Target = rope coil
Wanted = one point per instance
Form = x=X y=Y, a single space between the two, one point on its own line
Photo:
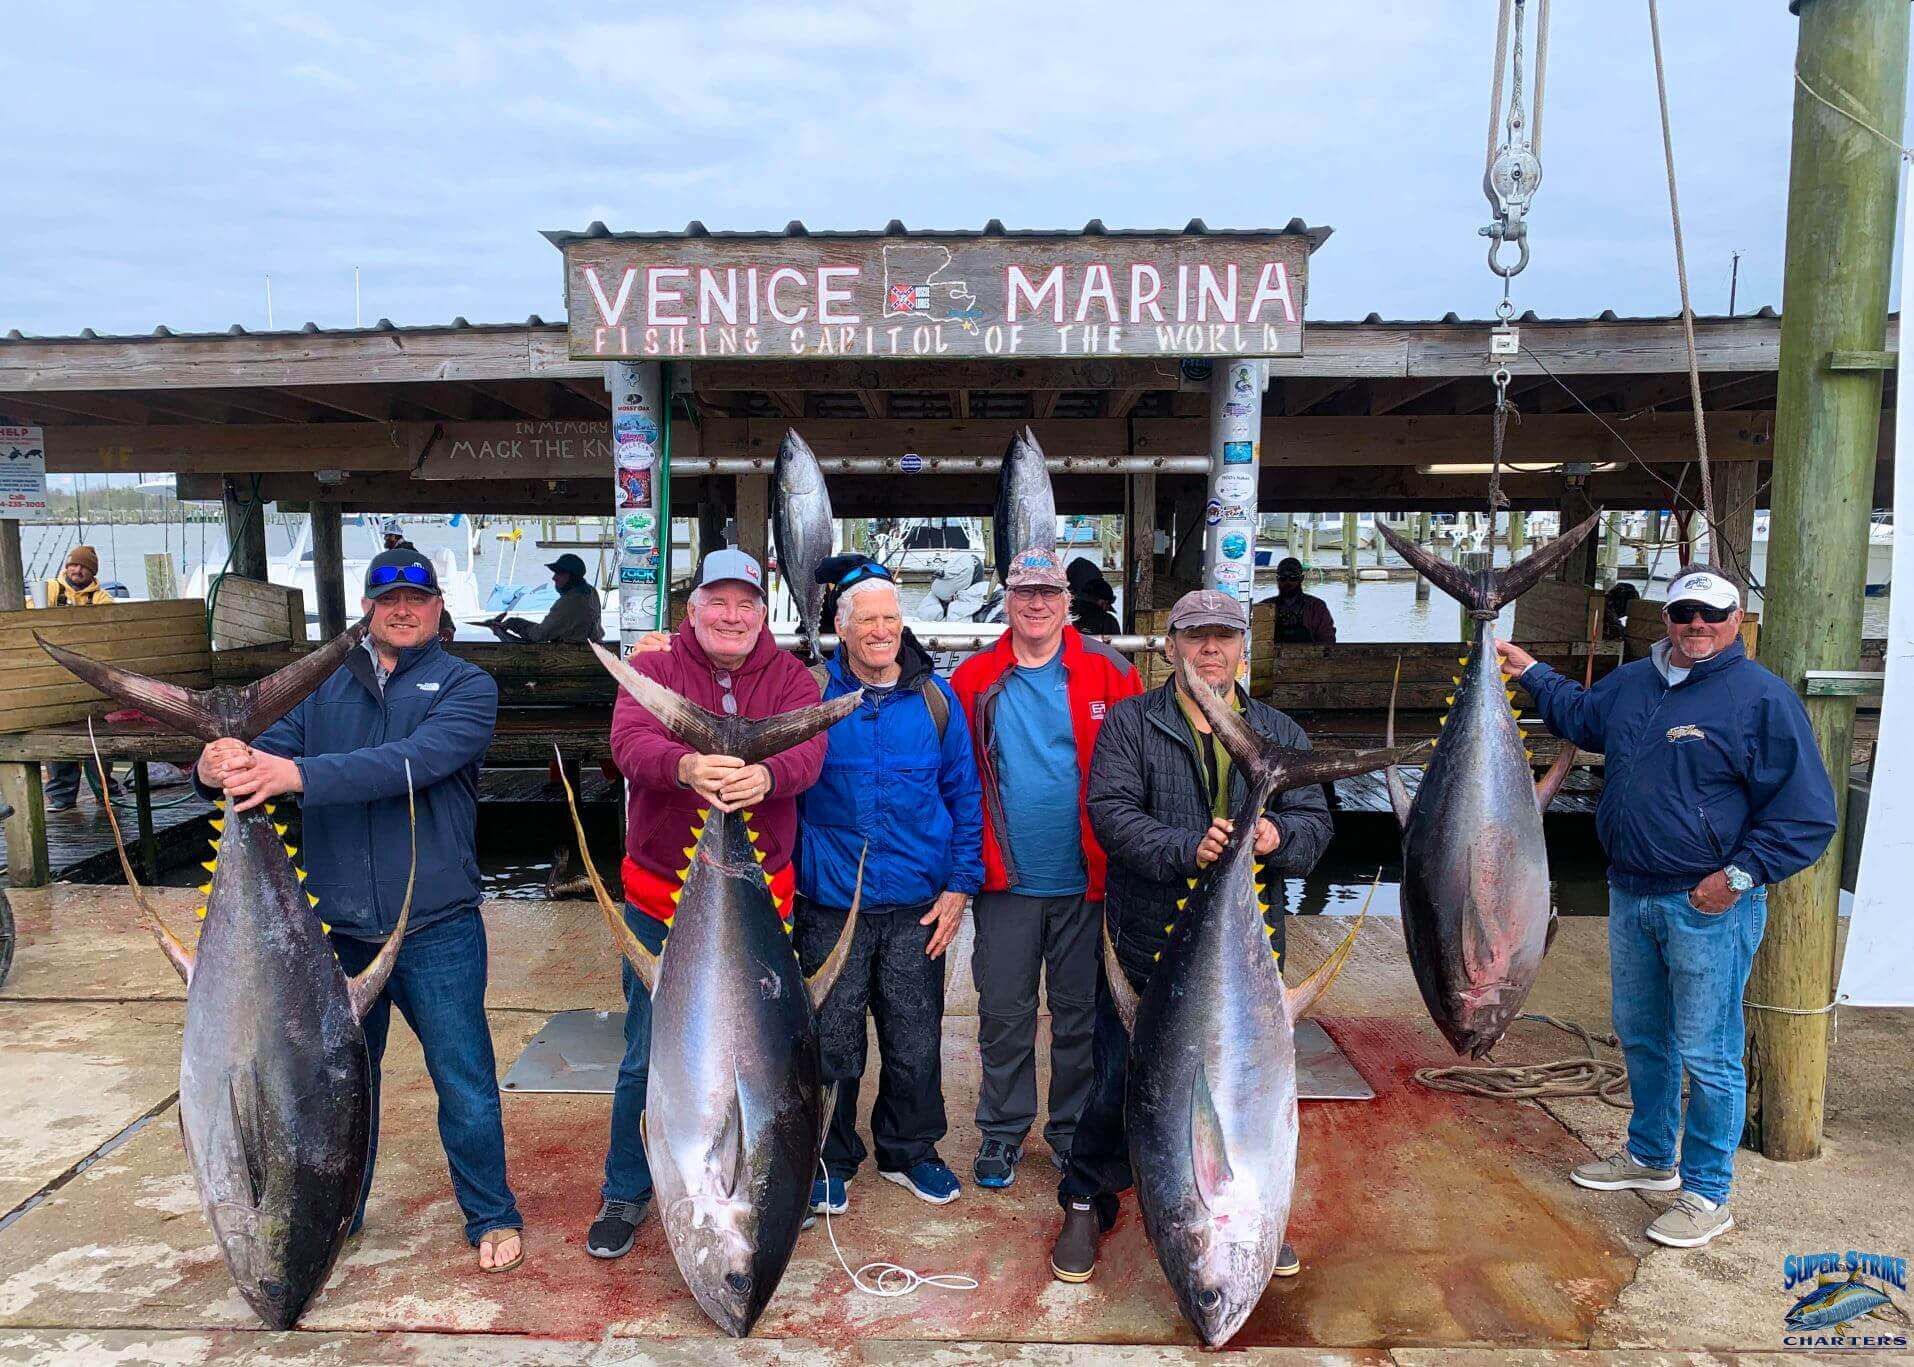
x=1592 y=1075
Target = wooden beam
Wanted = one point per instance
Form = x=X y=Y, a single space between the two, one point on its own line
x=1386 y=396
x=272 y=403
x=1287 y=442
x=1043 y=403
x=873 y=401
x=447 y=400
x=1300 y=396
x=1122 y=401
x=959 y=403
x=591 y=390
x=788 y=402
x=353 y=401
x=64 y=408
x=531 y=398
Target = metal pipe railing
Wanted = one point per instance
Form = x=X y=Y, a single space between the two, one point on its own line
x=959 y=639
x=945 y=465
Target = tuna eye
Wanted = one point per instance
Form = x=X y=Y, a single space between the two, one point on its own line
x=738 y=1282
x=1208 y=1297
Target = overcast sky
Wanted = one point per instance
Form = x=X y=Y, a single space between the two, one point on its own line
x=163 y=160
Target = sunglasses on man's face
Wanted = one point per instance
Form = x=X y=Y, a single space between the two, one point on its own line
x=1681 y=614
x=417 y=575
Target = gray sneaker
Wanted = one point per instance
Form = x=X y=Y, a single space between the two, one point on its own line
x=1691 y=1222
x=1623 y=1173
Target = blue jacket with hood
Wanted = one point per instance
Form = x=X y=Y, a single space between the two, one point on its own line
x=889 y=780
x=351 y=742
x=1721 y=768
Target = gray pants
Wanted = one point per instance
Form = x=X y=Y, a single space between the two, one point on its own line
x=1018 y=937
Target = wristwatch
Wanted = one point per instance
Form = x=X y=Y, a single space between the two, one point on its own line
x=1739 y=879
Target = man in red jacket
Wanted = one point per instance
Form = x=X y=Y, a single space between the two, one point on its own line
x=722 y=658
x=1035 y=702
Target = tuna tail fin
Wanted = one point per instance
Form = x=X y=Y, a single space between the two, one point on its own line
x=820 y=983
x=686 y=720
x=203 y=714
x=1278 y=768
x=643 y=962
x=1304 y=996
x=364 y=990
x=1122 y=995
x=775 y=735
x=176 y=953
x=1398 y=795
x=1492 y=590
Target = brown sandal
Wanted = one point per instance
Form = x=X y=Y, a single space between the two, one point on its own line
x=492 y=1238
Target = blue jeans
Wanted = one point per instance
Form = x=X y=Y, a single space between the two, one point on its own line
x=627 y=1174
x=438 y=985
x=1679 y=975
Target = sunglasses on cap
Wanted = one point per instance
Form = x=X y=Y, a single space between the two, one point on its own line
x=392 y=574
x=857 y=574
x=1681 y=614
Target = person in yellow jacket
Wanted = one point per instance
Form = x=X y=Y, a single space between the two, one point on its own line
x=78 y=582
x=76 y=585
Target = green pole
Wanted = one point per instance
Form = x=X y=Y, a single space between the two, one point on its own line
x=1842 y=185
x=664 y=498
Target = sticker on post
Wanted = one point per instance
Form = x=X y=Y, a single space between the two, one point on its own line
x=1235 y=485
x=634 y=489
x=1239 y=453
x=1213 y=511
x=910 y=462
x=1230 y=575
x=1235 y=545
x=634 y=429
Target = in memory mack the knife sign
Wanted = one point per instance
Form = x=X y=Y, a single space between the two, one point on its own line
x=1194 y=294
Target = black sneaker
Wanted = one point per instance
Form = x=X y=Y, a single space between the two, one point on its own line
x=1287 y=1263
x=996 y=1165
x=611 y=1234
x=1074 y=1256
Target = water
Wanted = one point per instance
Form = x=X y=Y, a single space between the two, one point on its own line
x=1378 y=610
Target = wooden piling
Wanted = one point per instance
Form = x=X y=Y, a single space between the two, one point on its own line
x=1351 y=531
x=162 y=579
x=1518 y=534
x=329 y=569
x=245 y=529
x=1611 y=566
x=1422 y=539
x=1842 y=186
x=13 y=574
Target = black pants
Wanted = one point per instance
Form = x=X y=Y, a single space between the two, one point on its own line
x=1098 y=1167
x=888 y=974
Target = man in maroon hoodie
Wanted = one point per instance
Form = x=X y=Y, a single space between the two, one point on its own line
x=722 y=658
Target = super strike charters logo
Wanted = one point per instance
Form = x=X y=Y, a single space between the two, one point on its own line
x=1843 y=1300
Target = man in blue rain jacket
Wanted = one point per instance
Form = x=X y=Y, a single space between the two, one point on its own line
x=1713 y=789
x=899 y=791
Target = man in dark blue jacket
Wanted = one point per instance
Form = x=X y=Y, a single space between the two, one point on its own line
x=1714 y=788
x=899 y=790
x=401 y=699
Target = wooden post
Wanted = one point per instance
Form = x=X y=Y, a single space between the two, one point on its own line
x=1351 y=533
x=1732 y=546
x=1309 y=540
x=143 y=803
x=1139 y=525
x=753 y=518
x=1574 y=508
x=162 y=577
x=1423 y=523
x=329 y=568
x=245 y=529
x=13 y=574
x=1611 y=565
x=1473 y=561
x=27 y=827
x=1842 y=184
x=1518 y=534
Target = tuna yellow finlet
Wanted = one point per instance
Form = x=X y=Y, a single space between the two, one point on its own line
x=1182 y=902
x=311 y=900
x=290 y=852
x=200 y=912
x=209 y=865
x=218 y=823
x=205 y=889
x=279 y=830
x=301 y=873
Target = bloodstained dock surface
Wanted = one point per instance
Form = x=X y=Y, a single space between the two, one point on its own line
x=1423 y=1219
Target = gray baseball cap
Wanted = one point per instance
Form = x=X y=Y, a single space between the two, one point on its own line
x=731 y=563
x=1208 y=608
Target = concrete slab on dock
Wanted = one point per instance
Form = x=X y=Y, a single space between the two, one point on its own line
x=1422 y=1218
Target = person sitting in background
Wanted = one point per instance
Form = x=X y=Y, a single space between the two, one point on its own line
x=573 y=619
x=1301 y=618
x=1092 y=607
x=76 y=585
x=1615 y=605
x=393 y=536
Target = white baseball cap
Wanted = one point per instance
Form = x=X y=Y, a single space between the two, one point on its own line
x=1709 y=589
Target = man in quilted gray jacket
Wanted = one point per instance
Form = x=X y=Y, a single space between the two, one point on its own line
x=1161 y=790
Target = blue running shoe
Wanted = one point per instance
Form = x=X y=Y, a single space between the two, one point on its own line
x=829 y=1195
x=996 y=1165
x=928 y=1181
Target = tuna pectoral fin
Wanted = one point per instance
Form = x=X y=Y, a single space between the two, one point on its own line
x=1550 y=783
x=820 y=983
x=1398 y=795
x=1209 y=1154
x=724 y=1164
x=176 y=953
x=1305 y=994
x=249 y=1130
x=364 y=990
x=643 y=962
x=775 y=735
x=1122 y=995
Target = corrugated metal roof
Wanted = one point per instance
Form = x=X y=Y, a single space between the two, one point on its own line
x=387 y=326
x=558 y=237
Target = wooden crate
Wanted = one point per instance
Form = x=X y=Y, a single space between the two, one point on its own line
x=1555 y=611
x=248 y=612
x=165 y=639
